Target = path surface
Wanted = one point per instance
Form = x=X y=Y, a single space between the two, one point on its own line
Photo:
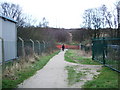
x=54 y=75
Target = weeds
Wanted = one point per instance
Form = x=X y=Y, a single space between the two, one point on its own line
x=18 y=71
x=69 y=55
x=106 y=79
x=73 y=75
x=72 y=56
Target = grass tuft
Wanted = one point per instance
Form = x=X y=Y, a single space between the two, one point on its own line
x=73 y=75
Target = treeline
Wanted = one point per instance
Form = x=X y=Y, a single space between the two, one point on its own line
x=46 y=34
x=15 y=12
x=97 y=22
x=25 y=25
x=85 y=35
x=101 y=18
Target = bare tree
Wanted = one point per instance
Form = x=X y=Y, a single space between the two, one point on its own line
x=44 y=22
x=92 y=20
x=13 y=11
x=101 y=17
x=103 y=10
x=87 y=18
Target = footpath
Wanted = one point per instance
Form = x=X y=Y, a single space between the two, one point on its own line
x=54 y=74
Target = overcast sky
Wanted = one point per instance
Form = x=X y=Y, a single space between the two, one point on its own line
x=60 y=13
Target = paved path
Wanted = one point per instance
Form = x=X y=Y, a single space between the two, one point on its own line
x=53 y=75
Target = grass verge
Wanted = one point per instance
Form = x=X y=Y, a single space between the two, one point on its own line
x=69 y=56
x=27 y=72
x=72 y=56
x=73 y=75
x=106 y=79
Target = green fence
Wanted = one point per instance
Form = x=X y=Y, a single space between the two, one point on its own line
x=85 y=48
x=107 y=52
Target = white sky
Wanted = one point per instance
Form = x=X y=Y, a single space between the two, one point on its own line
x=60 y=13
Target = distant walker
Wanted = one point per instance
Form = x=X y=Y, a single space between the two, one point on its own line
x=63 y=47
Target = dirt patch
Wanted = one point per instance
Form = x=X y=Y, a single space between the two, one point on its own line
x=54 y=74
x=89 y=72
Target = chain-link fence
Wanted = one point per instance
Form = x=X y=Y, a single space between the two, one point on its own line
x=30 y=47
x=10 y=50
x=107 y=52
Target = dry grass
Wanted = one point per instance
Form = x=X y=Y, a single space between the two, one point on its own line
x=83 y=53
x=17 y=71
x=19 y=65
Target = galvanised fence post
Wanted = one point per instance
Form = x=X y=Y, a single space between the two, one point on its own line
x=80 y=46
x=23 y=47
x=43 y=46
x=38 y=46
x=33 y=45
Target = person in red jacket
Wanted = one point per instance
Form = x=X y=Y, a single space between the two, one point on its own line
x=63 y=47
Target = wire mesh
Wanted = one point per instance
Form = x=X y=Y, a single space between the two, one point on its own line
x=30 y=49
x=107 y=52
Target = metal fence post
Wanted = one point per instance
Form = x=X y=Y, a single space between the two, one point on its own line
x=38 y=46
x=44 y=45
x=93 y=49
x=3 y=58
x=33 y=45
x=104 y=51
x=80 y=46
x=23 y=47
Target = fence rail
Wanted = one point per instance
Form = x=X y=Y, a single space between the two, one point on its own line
x=107 y=52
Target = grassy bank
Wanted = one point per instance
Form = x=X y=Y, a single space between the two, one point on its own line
x=75 y=57
x=106 y=79
x=21 y=75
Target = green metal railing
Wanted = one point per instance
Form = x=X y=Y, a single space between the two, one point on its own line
x=85 y=48
x=107 y=52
